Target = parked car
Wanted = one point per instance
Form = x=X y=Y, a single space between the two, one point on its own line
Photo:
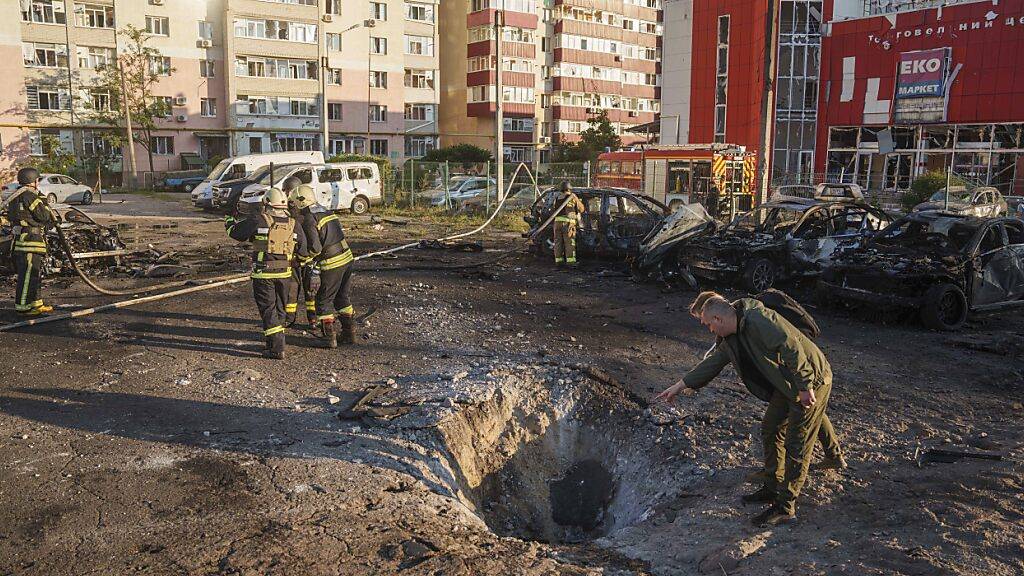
x=783 y=239
x=353 y=186
x=659 y=253
x=183 y=183
x=944 y=266
x=461 y=189
x=242 y=166
x=57 y=188
x=984 y=201
x=613 y=224
x=227 y=193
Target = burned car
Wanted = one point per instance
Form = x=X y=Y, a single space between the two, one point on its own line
x=613 y=224
x=782 y=239
x=92 y=244
x=985 y=201
x=945 y=266
x=659 y=253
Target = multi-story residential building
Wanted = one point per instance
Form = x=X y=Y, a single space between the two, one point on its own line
x=562 y=63
x=244 y=75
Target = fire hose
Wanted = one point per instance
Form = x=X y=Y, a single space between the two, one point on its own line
x=228 y=280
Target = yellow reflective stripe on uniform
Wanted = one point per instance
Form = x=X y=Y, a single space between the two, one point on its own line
x=271 y=275
x=274 y=330
x=570 y=260
x=347 y=310
x=291 y=307
x=310 y=305
x=35 y=203
x=562 y=219
x=23 y=299
x=327 y=219
x=325 y=316
x=337 y=261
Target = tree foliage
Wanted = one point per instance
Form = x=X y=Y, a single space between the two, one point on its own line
x=599 y=136
x=140 y=64
x=925 y=185
x=55 y=158
x=463 y=153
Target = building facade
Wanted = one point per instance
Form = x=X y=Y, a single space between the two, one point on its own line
x=920 y=90
x=563 y=63
x=243 y=76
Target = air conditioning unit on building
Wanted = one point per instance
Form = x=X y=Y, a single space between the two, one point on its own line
x=632 y=113
x=180 y=100
x=545 y=139
x=328 y=18
x=204 y=43
x=181 y=118
x=156 y=2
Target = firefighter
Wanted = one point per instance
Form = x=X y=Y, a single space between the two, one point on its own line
x=30 y=215
x=334 y=261
x=301 y=284
x=565 y=226
x=277 y=240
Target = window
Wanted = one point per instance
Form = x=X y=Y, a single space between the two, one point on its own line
x=94 y=144
x=423 y=112
x=378 y=147
x=334 y=42
x=160 y=65
x=334 y=111
x=518 y=124
x=162 y=105
x=333 y=7
x=379 y=11
x=100 y=100
x=206 y=69
x=419 y=45
x=40 y=55
x=722 y=78
x=47 y=98
x=208 y=107
x=92 y=57
x=94 y=16
x=419 y=12
x=278 y=106
x=275 y=30
x=378 y=113
x=157 y=26
x=162 y=145
x=419 y=78
x=378 y=79
x=417 y=146
x=205 y=30
x=334 y=76
x=378 y=45
x=44 y=12
x=347 y=146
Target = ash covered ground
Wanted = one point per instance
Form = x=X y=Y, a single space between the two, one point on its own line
x=155 y=440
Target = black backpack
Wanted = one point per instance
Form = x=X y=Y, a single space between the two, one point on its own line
x=791 y=310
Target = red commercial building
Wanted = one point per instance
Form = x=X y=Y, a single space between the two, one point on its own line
x=906 y=93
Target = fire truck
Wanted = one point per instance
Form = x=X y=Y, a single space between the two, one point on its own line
x=719 y=176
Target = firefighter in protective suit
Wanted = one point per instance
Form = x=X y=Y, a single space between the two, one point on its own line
x=30 y=215
x=276 y=241
x=334 y=261
x=302 y=283
x=565 y=226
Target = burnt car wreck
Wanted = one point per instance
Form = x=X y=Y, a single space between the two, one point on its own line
x=614 y=222
x=785 y=238
x=92 y=245
x=944 y=266
x=658 y=259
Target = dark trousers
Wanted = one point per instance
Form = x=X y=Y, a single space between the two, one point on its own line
x=29 y=268
x=271 y=297
x=333 y=295
x=789 y=432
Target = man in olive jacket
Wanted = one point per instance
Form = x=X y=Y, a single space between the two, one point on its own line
x=802 y=381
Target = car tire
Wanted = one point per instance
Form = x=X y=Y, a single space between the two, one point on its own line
x=760 y=275
x=51 y=199
x=360 y=205
x=944 y=308
x=86 y=197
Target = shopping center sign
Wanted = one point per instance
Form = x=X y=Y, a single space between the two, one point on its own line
x=922 y=73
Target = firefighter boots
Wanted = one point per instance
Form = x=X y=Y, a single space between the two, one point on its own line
x=329 y=337
x=348 y=329
x=275 y=347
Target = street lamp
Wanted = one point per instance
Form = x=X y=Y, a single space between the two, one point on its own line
x=368 y=23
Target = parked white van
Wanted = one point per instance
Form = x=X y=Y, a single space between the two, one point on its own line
x=353 y=186
x=242 y=166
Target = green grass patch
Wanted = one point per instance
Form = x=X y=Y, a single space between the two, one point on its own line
x=507 y=220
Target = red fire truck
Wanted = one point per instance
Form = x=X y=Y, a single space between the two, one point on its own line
x=684 y=173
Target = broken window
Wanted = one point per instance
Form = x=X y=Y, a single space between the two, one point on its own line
x=843 y=138
x=937 y=137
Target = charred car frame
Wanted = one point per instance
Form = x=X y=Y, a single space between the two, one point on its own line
x=945 y=266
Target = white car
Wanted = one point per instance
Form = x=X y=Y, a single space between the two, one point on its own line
x=352 y=186
x=57 y=188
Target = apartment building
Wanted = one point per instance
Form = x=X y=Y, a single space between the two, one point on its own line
x=242 y=76
x=563 y=62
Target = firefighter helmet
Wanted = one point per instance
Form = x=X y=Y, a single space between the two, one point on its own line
x=291 y=183
x=275 y=198
x=28 y=176
x=302 y=197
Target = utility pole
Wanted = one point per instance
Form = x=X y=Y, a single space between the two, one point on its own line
x=128 y=127
x=499 y=115
x=768 y=96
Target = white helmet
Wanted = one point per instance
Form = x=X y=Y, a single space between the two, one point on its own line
x=302 y=196
x=275 y=198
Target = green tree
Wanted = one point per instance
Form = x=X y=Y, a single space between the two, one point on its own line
x=925 y=185
x=141 y=66
x=55 y=158
x=599 y=136
x=464 y=153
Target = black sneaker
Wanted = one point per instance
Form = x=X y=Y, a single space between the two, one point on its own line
x=763 y=495
x=773 y=516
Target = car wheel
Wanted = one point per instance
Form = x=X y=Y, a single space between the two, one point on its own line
x=51 y=199
x=759 y=275
x=944 y=307
x=188 y=187
x=87 y=197
x=360 y=205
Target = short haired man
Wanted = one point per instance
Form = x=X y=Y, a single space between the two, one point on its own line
x=801 y=381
